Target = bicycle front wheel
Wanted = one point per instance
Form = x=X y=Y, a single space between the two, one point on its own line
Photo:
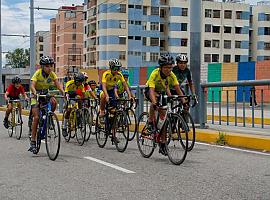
x=18 y=124
x=101 y=130
x=11 y=128
x=53 y=138
x=89 y=124
x=177 y=135
x=81 y=125
x=132 y=122
x=191 y=129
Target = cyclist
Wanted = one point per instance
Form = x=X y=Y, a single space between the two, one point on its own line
x=157 y=85
x=13 y=92
x=42 y=80
x=94 y=88
x=119 y=89
x=87 y=88
x=74 y=88
x=183 y=74
x=109 y=79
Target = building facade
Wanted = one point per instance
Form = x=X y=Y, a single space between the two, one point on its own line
x=42 y=45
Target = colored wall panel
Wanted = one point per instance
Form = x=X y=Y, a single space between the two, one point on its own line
x=143 y=75
x=131 y=76
x=262 y=71
x=214 y=75
x=136 y=76
x=229 y=72
x=149 y=70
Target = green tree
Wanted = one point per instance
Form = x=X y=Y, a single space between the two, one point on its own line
x=19 y=58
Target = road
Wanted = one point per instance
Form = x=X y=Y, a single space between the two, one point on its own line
x=209 y=172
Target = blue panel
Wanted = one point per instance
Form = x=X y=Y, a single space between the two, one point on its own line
x=245 y=15
x=153 y=18
x=135 y=30
x=135 y=61
x=174 y=42
x=244 y=58
x=106 y=55
x=137 y=2
x=110 y=39
x=260 y=58
x=155 y=2
x=109 y=8
x=136 y=79
x=246 y=71
x=261 y=31
x=175 y=26
x=135 y=45
x=105 y=24
x=175 y=11
x=245 y=30
x=150 y=34
x=244 y=44
x=261 y=17
x=135 y=14
x=152 y=49
x=260 y=45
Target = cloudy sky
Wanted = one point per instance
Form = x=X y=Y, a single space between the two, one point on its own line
x=15 y=19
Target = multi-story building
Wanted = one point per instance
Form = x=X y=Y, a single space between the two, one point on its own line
x=67 y=39
x=260 y=35
x=42 y=44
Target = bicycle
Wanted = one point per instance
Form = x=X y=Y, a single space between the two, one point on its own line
x=148 y=138
x=115 y=126
x=76 y=124
x=15 y=120
x=132 y=119
x=91 y=123
x=48 y=127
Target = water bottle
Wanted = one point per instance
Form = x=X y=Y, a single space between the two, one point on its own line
x=161 y=121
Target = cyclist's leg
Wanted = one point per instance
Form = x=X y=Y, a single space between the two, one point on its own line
x=102 y=104
x=35 y=114
x=162 y=148
x=53 y=103
x=65 y=121
x=9 y=110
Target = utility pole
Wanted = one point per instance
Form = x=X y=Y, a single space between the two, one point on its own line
x=32 y=40
x=195 y=51
x=1 y=81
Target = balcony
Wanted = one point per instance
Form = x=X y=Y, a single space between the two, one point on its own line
x=92 y=62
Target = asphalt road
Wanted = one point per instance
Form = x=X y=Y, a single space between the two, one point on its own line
x=209 y=172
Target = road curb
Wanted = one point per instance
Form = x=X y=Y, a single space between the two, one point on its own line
x=248 y=120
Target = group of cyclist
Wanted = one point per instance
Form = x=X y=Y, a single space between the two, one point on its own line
x=166 y=79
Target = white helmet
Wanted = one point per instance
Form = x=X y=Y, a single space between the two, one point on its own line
x=182 y=58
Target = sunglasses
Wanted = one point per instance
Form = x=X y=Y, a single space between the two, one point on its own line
x=116 y=68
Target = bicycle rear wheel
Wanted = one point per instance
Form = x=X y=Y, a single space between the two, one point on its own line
x=177 y=135
x=53 y=138
x=101 y=131
x=18 y=124
x=145 y=141
x=80 y=122
x=191 y=129
x=132 y=122
x=89 y=123
x=120 y=131
x=10 y=124
x=71 y=126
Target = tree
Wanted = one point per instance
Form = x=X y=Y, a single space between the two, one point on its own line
x=19 y=58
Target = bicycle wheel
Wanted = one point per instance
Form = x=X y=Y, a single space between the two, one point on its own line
x=177 y=135
x=120 y=131
x=89 y=124
x=71 y=126
x=38 y=140
x=18 y=124
x=30 y=121
x=53 y=137
x=132 y=122
x=101 y=131
x=80 y=122
x=145 y=141
x=11 y=123
x=191 y=129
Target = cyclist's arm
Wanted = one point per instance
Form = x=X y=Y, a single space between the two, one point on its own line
x=6 y=95
x=116 y=91
x=104 y=89
x=152 y=95
x=59 y=87
x=33 y=87
x=127 y=89
x=178 y=90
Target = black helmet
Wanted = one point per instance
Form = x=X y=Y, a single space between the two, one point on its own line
x=166 y=59
x=92 y=82
x=46 y=60
x=16 y=79
x=79 y=78
x=181 y=58
x=115 y=63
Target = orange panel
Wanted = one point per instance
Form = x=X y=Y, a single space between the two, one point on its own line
x=229 y=72
x=143 y=75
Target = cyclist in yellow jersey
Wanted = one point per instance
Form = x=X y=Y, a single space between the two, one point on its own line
x=93 y=86
x=42 y=81
x=88 y=91
x=109 y=79
x=119 y=89
x=159 y=84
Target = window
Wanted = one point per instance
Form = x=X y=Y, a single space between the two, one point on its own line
x=215 y=57
x=238 y=14
x=238 y=30
x=73 y=57
x=123 y=8
x=216 y=13
x=227 y=14
x=74 y=25
x=267 y=46
x=122 y=40
x=73 y=46
x=58 y=28
x=237 y=58
x=267 y=17
x=130 y=21
x=237 y=44
x=144 y=41
x=266 y=30
x=144 y=56
x=154 y=26
x=41 y=47
x=85 y=30
x=226 y=58
x=216 y=29
x=227 y=44
x=130 y=6
x=85 y=44
x=40 y=38
x=57 y=48
x=154 y=41
x=122 y=24
x=70 y=14
x=138 y=23
x=215 y=43
x=184 y=42
x=145 y=10
x=153 y=57
x=208 y=27
x=227 y=29
x=130 y=37
x=162 y=13
x=184 y=11
x=58 y=38
x=266 y=57
x=207 y=43
x=137 y=37
x=208 y=13
x=144 y=25
x=161 y=28
x=184 y=27
x=74 y=36
x=138 y=7
x=40 y=55
x=154 y=10
x=57 y=59
x=207 y=57
x=122 y=55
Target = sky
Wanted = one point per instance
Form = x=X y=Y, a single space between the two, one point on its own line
x=16 y=19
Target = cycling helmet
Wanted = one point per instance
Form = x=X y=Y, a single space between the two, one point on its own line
x=46 y=60
x=115 y=63
x=125 y=73
x=181 y=58
x=92 y=82
x=166 y=59
x=85 y=75
x=79 y=78
x=16 y=79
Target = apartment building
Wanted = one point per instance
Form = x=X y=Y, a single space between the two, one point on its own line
x=42 y=40
x=260 y=34
x=67 y=39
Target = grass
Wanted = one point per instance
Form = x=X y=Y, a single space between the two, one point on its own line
x=221 y=140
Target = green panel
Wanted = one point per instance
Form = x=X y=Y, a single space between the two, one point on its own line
x=149 y=70
x=131 y=75
x=214 y=75
x=216 y=94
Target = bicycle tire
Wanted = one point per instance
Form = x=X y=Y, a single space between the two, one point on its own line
x=144 y=136
x=10 y=124
x=89 y=124
x=52 y=133
x=30 y=121
x=101 y=131
x=132 y=126
x=70 y=126
x=120 y=131
x=18 y=123
x=191 y=129
x=80 y=122
x=176 y=133
x=38 y=141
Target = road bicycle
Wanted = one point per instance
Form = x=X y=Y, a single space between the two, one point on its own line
x=15 y=122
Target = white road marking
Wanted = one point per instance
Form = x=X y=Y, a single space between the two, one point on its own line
x=235 y=149
x=110 y=165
